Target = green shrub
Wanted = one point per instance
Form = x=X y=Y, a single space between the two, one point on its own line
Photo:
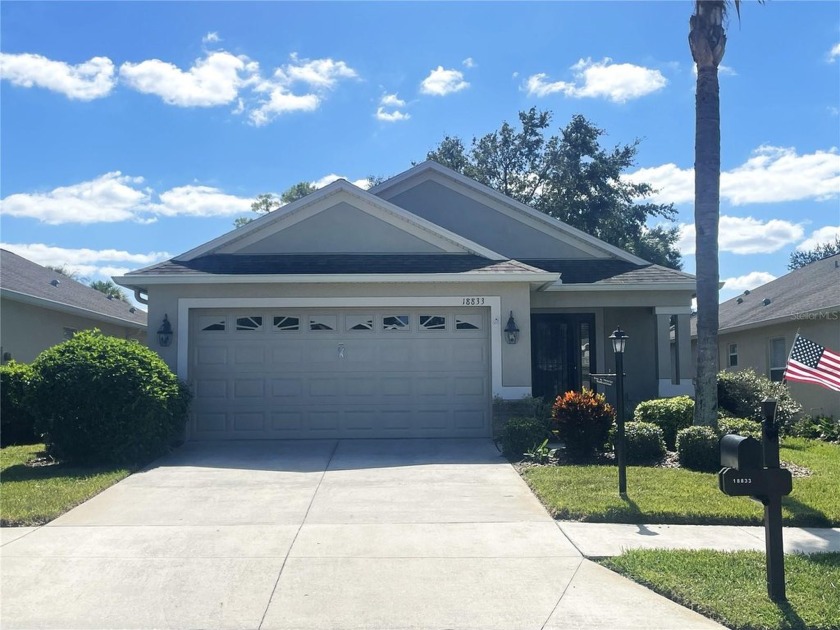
x=740 y=395
x=825 y=429
x=583 y=420
x=669 y=414
x=17 y=422
x=697 y=449
x=643 y=440
x=520 y=435
x=739 y=426
x=101 y=399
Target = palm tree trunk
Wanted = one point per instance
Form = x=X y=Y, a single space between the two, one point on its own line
x=707 y=40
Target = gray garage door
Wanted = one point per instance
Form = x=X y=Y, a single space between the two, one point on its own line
x=325 y=373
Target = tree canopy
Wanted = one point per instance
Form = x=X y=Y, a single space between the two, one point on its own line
x=823 y=250
x=571 y=177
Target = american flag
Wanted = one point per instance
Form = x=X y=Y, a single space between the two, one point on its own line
x=810 y=362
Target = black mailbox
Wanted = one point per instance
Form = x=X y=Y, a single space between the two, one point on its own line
x=758 y=483
x=740 y=453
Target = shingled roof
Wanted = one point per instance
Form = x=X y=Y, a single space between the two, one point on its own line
x=333 y=264
x=24 y=280
x=614 y=272
x=812 y=288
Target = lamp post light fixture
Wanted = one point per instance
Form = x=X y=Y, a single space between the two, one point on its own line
x=511 y=331
x=164 y=333
x=619 y=342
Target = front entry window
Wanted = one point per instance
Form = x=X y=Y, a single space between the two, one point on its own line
x=563 y=353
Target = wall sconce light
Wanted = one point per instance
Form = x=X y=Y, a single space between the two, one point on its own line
x=511 y=331
x=164 y=333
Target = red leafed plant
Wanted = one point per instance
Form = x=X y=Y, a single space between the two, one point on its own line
x=582 y=420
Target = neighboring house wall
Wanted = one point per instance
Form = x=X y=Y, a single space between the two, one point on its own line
x=754 y=348
x=28 y=330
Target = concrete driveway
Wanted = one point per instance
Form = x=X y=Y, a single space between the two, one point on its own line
x=324 y=534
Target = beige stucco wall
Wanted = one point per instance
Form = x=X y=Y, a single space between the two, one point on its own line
x=27 y=330
x=516 y=359
x=754 y=352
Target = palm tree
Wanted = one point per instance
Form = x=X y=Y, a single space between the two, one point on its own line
x=707 y=40
x=110 y=289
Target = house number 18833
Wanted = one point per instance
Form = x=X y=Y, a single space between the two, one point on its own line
x=473 y=301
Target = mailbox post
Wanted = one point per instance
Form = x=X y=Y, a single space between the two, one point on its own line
x=752 y=469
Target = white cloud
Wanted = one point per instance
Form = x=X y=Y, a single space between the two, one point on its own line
x=827 y=234
x=211 y=38
x=214 y=80
x=85 y=81
x=200 y=201
x=770 y=175
x=441 y=82
x=834 y=53
x=318 y=76
x=468 y=62
x=745 y=235
x=88 y=263
x=747 y=282
x=109 y=198
x=389 y=109
x=617 y=82
x=326 y=180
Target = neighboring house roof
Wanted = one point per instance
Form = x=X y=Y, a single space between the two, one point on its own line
x=25 y=281
x=809 y=289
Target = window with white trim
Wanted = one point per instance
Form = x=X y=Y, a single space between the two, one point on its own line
x=251 y=323
x=432 y=322
x=732 y=361
x=286 y=323
x=211 y=323
x=778 y=359
x=395 y=322
x=358 y=322
x=322 y=322
x=471 y=321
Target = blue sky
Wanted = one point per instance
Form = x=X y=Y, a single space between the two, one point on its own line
x=132 y=132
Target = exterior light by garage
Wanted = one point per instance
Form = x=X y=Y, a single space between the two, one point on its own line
x=164 y=333
x=511 y=331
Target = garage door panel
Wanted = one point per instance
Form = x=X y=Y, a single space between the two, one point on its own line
x=388 y=377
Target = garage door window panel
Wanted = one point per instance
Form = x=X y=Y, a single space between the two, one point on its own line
x=354 y=323
x=211 y=323
x=249 y=324
x=433 y=322
x=396 y=322
x=286 y=323
x=322 y=323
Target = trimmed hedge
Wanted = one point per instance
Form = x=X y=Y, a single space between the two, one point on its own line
x=669 y=414
x=739 y=426
x=697 y=449
x=644 y=442
x=17 y=422
x=100 y=399
x=740 y=395
x=522 y=434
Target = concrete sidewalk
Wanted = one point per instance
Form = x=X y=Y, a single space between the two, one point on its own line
x=598 y=540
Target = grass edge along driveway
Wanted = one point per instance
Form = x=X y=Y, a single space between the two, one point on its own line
x=34 y=495
x=679 y=496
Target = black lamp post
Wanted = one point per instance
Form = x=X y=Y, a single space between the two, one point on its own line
x=619 y=341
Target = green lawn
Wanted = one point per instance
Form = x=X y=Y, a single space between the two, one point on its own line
x=673 y=495
x=35 y=495
x=731 y=587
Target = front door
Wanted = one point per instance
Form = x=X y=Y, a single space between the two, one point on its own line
x=562 y=353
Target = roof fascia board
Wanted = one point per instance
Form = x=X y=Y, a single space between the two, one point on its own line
x=402 y=182
x=466 y=277
x=61 y=307
x=645 y=286
x=322 y=199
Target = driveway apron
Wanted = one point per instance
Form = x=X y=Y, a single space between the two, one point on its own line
x=383 y=534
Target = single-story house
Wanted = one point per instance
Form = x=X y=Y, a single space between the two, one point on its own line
x=382 y=313
x=758 y=327
x=40 y=308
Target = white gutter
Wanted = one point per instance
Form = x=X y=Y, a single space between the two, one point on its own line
x=648 y=286
x=60 y=307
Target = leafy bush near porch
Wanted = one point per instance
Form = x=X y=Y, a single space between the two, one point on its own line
x=825 y=429
x=17 y=423
x=697 y=449
x=739 y=426
x=101 y=399
x=583 y=420
x=740 y=395
x=522 y=434
x=643 y=441
x=669 y=414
